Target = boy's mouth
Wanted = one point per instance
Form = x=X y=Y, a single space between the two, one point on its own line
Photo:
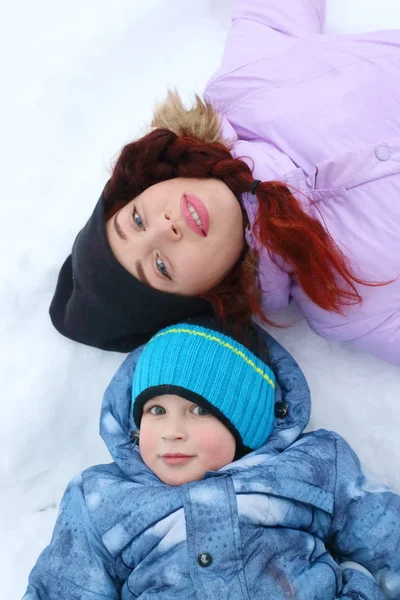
x=176 y=458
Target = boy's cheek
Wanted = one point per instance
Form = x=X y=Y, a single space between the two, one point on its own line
x=147 y=443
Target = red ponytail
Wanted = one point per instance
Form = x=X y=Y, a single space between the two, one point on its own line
x=285 y=229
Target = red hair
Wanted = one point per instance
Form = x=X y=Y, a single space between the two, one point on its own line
x=282 y=226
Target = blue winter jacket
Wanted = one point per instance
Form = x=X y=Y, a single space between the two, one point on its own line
x=295 y=519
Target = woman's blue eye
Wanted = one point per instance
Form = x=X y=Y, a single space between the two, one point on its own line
x=137 y=219
x=200 y=412
x=162 y=268
x=157 y=410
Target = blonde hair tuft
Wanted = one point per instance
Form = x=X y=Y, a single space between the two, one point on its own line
x=200 y=120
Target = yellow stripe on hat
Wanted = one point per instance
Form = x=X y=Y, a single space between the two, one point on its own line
x=213 y=338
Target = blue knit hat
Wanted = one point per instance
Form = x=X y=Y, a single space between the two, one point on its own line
x=211 y=369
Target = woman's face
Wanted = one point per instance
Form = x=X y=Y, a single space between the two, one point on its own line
x=180 y=236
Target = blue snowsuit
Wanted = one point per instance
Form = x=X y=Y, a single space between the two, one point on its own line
x=295 y=519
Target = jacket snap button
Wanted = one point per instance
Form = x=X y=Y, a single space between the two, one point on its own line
x=204 y=559
x=281 y=410
x=382 y=153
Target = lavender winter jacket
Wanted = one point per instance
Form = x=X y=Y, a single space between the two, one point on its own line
x=322 y=113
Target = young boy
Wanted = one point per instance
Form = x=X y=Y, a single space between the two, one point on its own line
x=220 y=495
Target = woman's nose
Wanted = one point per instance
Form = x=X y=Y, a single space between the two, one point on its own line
x=171 y=227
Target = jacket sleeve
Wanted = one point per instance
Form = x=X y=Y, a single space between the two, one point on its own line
x=76 y=563
x=365 y=531
x=265 y=28
x=297 y=18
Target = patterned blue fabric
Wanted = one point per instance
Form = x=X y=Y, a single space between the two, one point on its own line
x=215 y=367
x=295 y=519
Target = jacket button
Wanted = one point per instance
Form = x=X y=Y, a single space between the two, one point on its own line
x=281 y=410
x=382 y=153
x=204 y=559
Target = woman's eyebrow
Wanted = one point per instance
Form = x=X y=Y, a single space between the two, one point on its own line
x=118 y=229
x=141 y=274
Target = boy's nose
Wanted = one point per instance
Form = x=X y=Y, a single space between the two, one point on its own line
x=174 y=431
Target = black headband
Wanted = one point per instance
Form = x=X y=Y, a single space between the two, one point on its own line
x=98 y=303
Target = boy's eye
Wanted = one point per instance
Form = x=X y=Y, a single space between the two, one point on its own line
x=201 y=412
x=162 y=268
x=157 y=410
x=137 y=219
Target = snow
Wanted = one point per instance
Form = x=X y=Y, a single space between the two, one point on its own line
x=79 y=80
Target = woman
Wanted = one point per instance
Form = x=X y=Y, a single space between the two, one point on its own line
x=284 y=183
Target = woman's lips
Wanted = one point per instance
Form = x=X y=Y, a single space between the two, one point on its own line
x=176 y=459
x=195 y=214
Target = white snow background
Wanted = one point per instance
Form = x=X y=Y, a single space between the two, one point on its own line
x=79 y=79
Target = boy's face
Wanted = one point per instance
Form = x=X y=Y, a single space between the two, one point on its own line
x=179 y=441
